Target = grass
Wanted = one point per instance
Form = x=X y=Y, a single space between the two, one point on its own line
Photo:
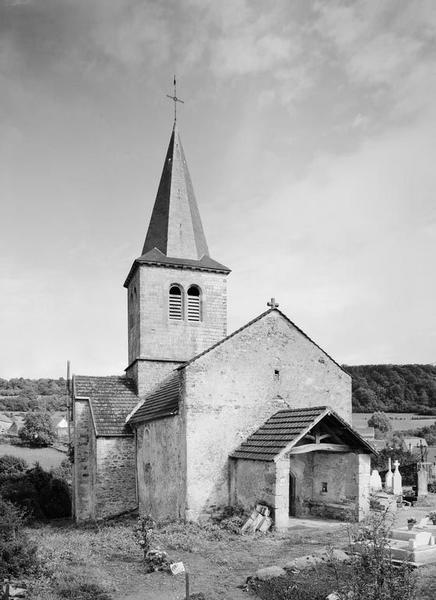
x=105 y=563
x=47 y=457
x=74 y=562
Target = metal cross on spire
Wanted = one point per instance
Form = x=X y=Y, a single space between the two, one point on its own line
x=175 y=99
x=273 y=303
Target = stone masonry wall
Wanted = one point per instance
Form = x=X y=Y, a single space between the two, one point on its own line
x=84 y=462
x=149 y=374
x=252 y=481
x=233 y=389
x=133 y=295
x=115 y=476
x=161 y=468
x=162 y=338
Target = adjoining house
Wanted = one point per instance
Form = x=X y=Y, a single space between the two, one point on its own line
x=61 y=426
x=5 y=423
x=203 y=419
x=16 y=426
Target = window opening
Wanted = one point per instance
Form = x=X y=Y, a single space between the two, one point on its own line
x=175 y=304
x=324 y=487
x=276 y=374
x=194 y=304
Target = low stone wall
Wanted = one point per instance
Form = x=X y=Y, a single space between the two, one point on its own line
x=345 y=511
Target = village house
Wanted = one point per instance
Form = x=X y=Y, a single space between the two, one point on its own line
x=5 y=423
x=202 y=419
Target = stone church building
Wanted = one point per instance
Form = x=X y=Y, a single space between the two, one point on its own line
x=202 y=419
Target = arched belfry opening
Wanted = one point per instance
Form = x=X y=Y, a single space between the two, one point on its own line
x=175 y=303
x=194 y=303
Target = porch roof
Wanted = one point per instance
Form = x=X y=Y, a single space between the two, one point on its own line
x=287 y=427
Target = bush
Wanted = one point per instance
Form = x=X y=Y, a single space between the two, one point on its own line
x=373 y=576
x=17 y=554
x=11 y=465
x=39 y=492
x=38 y=430
x=369 y=575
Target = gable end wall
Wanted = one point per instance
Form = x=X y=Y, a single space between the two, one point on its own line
x=233 y=389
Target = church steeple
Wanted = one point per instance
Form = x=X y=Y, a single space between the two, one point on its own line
x=177 y=299
x=175 y=226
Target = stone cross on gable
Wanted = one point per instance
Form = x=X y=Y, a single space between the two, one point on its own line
x=272 y=303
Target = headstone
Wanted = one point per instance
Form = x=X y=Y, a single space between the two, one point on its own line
x=397 y=482
x=389 y=477
x=422 y=481
x=375 y=483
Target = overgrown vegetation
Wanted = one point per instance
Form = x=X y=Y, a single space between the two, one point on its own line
x=20 y=394
x=42 y=494
x=368 y=575
x=394 y=388
x=17 y=552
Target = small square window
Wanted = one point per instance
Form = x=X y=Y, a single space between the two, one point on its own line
x=323 y=487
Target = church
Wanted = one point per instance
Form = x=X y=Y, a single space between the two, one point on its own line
x=202 y=419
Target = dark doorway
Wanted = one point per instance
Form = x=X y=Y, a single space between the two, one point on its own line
x=292 y=494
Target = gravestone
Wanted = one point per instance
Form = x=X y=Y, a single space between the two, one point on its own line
x=389 y=477
x=397 y=482
x=375 y=482
x=422 y=481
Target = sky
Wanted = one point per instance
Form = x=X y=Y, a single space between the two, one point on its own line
x=309 y=128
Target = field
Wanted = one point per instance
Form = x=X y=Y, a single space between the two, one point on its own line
x=400 y=421
x=108 y=558
x=47 y=457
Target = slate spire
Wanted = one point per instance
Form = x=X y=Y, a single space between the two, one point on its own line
x=175 y=226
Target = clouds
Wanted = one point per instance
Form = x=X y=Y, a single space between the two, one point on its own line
x=309 y=128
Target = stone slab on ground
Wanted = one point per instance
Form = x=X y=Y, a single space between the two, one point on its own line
x=267 y=573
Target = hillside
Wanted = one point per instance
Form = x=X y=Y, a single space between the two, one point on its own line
x=20 y=394
x=394 y=388
x=390 y=388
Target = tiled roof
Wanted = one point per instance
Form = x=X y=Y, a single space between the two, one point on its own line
x=163 y=402
x=289 y=425
x=261 y=316
x=111 y=399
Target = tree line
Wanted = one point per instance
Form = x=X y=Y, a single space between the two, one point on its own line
x=21 y=394
x=393 y=388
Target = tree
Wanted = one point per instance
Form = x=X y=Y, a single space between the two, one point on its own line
x=38 y=430
x=380 y=421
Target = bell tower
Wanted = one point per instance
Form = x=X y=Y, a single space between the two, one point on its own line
x=176 y=293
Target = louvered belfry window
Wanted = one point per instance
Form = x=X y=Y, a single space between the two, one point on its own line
x=175 y=307
x=194 y=304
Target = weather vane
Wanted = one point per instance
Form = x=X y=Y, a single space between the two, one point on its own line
x=175 y=99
